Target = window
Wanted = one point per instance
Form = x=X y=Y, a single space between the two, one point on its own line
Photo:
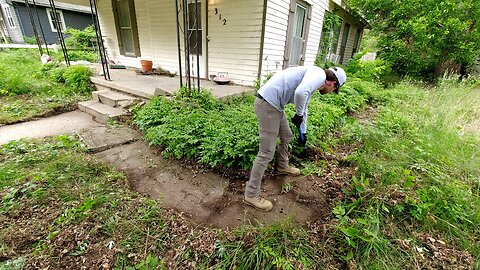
x=56 y=20
x=192 y=28
x=356 y=41
x=346 y=32
x=297 y=33
x=8 y=15
x=126 y=24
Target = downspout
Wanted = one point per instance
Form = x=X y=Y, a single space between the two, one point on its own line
x=262 y=40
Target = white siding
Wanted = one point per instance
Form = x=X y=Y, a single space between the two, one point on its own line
x=235 y=46
x=315 y=30
x=276 y=25
x=276 y=33
x=156 y=33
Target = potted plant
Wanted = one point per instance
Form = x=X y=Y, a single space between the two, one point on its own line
x=146 y=65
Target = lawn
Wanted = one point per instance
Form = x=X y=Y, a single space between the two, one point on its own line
x=414 y=201
x=30 y=90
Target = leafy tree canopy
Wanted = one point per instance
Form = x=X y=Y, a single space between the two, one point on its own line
x=424 y=37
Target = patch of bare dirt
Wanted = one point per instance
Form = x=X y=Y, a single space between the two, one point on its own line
x=215 y=198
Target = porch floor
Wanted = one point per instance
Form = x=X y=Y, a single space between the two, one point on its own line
x=147 y=86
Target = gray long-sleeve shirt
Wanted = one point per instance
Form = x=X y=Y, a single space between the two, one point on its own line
x=293 y=85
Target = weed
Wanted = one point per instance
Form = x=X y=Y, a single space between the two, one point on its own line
x=287 y=187
x=28 y=91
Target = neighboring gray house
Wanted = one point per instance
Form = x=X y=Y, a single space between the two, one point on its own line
x=17 y=22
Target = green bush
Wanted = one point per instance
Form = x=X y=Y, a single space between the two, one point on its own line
x=30 y=40
x=77 y=55
x=77 y=77
x=80 y=38
x=374 y=71
x=225 y=133
x=21 y=72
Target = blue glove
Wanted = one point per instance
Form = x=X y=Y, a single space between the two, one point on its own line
x=302 y=139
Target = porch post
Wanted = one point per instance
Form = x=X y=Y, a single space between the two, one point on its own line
x=34 y=27
x=100 y=44
x=59 y=32
x=178 y=44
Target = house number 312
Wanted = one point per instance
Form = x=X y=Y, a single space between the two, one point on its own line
x=220 y=17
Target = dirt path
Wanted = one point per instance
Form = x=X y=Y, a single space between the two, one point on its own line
x=209 y=198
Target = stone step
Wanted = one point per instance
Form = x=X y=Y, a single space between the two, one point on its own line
x=101 y=112
x=115 y=99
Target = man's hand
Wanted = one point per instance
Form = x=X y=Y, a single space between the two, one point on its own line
x=297 y=120
x=302 y=140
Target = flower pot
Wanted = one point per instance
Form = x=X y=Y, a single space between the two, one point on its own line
x=146 y=65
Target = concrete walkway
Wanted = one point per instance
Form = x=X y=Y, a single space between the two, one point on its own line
x=66 y=123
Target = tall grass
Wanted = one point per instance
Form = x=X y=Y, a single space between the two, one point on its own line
x=29 y=89
x=420 y=164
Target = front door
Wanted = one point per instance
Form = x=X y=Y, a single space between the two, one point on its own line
x=197 y=40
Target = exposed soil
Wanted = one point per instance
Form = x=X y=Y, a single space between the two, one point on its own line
x=209 y=198
x=213 y=199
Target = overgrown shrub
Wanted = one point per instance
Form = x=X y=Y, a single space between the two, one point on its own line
x=80 y=38
x=77 y=77
x=20 y=72
x=374 y=71
x=225 y=133
x=77 y=55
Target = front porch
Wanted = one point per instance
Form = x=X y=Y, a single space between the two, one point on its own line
x=147 y=86
x=113 y=98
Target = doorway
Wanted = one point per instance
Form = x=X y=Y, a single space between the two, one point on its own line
x=197 y=45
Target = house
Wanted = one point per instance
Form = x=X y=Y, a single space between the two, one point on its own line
x=247 y=39
x=17 y=18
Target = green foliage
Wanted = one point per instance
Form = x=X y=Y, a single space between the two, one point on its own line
x=80 y=38
x=331 y=22
x=21 y=71
x=374 y=71
x=78 y=77
x=225 y=133
x=418 y=166
x=29 y=89
x=424 y=38
x=77 y=55
x=369 y=41
x=281 y=246
x=30 y=40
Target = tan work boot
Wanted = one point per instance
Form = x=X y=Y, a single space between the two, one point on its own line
x=259 y=203
x=289 y=170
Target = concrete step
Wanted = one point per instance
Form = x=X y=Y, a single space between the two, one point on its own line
x=115 y=99
x=101 y=112
x=137 y=88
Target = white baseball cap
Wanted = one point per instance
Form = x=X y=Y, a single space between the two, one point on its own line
x=340 y=74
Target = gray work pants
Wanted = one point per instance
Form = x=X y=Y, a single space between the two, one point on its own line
x=271 y=124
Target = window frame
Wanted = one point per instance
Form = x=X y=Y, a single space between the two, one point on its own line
x=7 y=11
x=290 y=30
x=50 y=20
